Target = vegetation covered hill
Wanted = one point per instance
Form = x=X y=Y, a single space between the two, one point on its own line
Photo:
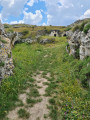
x=68 y=100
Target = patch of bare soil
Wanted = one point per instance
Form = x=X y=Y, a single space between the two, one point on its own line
x=39 y=111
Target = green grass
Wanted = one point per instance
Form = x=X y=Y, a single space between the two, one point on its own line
x=23 y=114
x=86 y=28
x=75 y=28
x=2 y=64
x=52 y=101
x=71 y=100
x=31 y=101
x=34 y=29
x=33 y=93
x=3 y=41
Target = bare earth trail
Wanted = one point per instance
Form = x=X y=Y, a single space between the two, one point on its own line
x=39 y=110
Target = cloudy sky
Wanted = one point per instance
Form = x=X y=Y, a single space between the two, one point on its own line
x=44 y=12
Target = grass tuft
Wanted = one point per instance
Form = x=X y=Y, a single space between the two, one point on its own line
x=23 y=114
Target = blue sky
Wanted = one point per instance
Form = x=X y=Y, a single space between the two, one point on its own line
x=44 y=12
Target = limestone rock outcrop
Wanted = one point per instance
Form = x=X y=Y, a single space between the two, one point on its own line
x=1 y=28
x=6 y=61
x=45 y=41
x=79 y=44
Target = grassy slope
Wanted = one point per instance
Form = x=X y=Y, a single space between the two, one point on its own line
x=33 y=30
x=69 y=100
x=61 y=28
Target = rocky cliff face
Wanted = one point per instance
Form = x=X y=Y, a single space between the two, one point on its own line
x=79 y=44
x=6 y=62
x=79 y=47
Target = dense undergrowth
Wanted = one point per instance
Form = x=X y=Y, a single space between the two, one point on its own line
x=69 y=100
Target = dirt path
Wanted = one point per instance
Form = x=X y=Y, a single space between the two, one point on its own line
x=39 y=110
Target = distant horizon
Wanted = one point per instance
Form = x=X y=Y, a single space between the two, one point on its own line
x=44 y=12
x=45 y=25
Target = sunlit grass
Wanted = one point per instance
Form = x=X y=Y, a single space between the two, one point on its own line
x=69 y=100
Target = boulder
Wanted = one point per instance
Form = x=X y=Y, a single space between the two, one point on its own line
x=79 y=41
x=47 y=40
x=6 y=66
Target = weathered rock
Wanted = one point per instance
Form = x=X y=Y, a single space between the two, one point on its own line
x=6 y=61
x=44 y=41
x=79 y=42
x=85 y=45
x=42 y=32
x=6 y=68
x=55 y=33
x=1 y=28
x=68 y=33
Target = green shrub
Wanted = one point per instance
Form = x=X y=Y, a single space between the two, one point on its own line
x=75 y=28
x=82 y=71
x=9 y=55
x=33 y=34
x=1 y=64
x=23 y=113
x=6 y=26
x=68 y=47
x=25 y=32
x=48 y=31
x=81 y=27
x=10 y=30
x=86 y=28
x=68 y=28
x=77 y=53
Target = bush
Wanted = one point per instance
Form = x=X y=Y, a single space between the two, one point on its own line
x=82 y=71
x=10 y=30
x=68 y=28
x=1 y=64
x=25 y=32
x=48 y=31
x=68 y=47
x=75 y=28
x=81 y=27
x=77 y=53
x=6 y=26
x=33 y=34
x=86 y=28
x=9 y=55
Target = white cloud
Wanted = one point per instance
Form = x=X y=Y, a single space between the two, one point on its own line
x=86 y=14
x=44 y=24
x=11 y=3
x=12 y=7
x=16 y=22
x=31 y=18
x=25 y=9
x=31 y=2
x=67 y=12
x=59 y=12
